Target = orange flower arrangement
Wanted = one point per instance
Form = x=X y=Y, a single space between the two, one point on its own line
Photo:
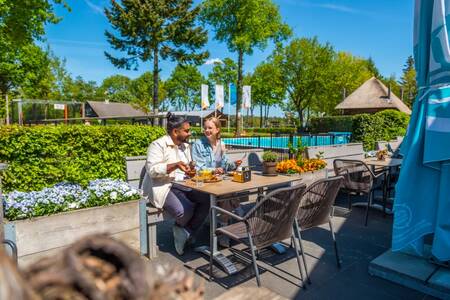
x=292 y=166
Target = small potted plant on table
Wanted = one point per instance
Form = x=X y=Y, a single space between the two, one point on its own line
x=269 y=163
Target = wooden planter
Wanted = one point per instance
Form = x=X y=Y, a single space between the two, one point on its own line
x=44 y=236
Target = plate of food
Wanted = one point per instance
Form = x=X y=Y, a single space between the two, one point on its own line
x=209 y=179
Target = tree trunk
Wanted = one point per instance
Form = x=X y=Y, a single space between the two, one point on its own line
x=251 y=121
x=260 y=116
x=239 y=90
x=155 y=85
x=7 y=108
x=300 y=117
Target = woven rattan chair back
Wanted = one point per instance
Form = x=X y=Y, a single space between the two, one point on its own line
x=317 y=201
x=357 y=175
x=271 y=219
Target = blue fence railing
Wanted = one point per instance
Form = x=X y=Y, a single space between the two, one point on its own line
x=282 y=142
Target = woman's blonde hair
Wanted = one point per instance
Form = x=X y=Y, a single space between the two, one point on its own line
x=216 y=123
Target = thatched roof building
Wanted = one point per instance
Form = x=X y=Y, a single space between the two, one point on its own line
x=371 y=97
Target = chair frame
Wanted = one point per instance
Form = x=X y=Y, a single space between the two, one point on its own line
x=370 y=191
x=329 y=196
x=253 y=248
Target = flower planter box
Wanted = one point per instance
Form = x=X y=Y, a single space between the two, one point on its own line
x=311 y=176
x=44 y=236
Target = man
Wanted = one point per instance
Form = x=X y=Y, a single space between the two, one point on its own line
x=168 y=159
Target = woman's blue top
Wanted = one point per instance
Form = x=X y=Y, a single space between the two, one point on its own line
x=205 y=157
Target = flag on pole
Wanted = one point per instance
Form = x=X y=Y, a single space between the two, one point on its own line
x=233 y=94
x=246 y=96
x=219 y=96
x=205 y=101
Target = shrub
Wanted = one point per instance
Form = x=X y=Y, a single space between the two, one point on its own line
x=382 y=126
x=332 y=123
x=42 y=156
x=270 y=156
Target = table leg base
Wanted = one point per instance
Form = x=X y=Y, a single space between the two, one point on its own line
x=220 y=259
x=373 y=206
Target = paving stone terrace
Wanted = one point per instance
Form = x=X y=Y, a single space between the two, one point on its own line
x=358 y=246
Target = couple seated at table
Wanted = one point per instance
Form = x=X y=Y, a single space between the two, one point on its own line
x=170 y=157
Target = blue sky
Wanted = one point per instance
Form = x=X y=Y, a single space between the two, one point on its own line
x=381 y=29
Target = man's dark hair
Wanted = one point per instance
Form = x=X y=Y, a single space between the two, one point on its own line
x=174 y=122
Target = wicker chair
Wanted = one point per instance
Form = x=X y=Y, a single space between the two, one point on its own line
x=316 y=208
x=359 y=178
x=269 y=221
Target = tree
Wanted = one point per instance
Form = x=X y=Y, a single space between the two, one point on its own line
x=21 y=22
x=268 y=88
x=224 y=73
x=244 y=25
x=305 y=66
x=150 y=29
x=372 y=68
x=408 y=82
x=142 y=91
x=347 y=73
x=116 y=88
x=183 y=87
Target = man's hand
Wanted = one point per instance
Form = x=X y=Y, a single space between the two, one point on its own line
x=178 y=165
x=237 y=163
x=183 y=167
x=219 y=171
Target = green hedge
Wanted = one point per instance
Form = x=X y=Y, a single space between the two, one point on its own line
x=333 y=123
x=41 y=156
x=382 y=126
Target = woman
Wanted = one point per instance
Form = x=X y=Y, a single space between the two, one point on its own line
x=209 y=151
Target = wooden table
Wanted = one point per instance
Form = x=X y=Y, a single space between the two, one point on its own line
x=226 y=189
x=387 y=163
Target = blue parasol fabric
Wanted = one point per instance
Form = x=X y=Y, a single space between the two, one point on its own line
x=422 y=203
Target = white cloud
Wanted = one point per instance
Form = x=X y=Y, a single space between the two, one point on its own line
x=213 y=61
x=96 y=8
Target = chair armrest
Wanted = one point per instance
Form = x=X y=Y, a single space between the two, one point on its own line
x=224 y=211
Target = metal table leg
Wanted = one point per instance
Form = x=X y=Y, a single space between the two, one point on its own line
x=217 y=256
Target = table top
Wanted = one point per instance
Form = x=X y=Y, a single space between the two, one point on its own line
x=227 y=186
x=388 y=162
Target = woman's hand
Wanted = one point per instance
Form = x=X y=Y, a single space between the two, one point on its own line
x=219 y=171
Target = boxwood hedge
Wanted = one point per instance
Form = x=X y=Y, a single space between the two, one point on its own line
x=41 y=156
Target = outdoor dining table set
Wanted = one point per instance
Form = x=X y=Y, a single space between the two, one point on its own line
x=284 y=208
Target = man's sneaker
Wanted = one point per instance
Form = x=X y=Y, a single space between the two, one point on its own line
x=180 y=236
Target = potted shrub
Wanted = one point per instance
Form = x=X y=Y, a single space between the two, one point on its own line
x=269 y=163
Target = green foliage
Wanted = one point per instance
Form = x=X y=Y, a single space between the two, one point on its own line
x=150 y=29
x=270 y=156
x=183 y=87
x=382 y=126
x=41 y=156
x=244 y=25
x=333 y=123
x=268 y=87
x=408 y=82
x=305 y=65
x=347 y=73
x=297 y=151
x=224 y=73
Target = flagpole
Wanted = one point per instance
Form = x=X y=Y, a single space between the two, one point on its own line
x=229 y=107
